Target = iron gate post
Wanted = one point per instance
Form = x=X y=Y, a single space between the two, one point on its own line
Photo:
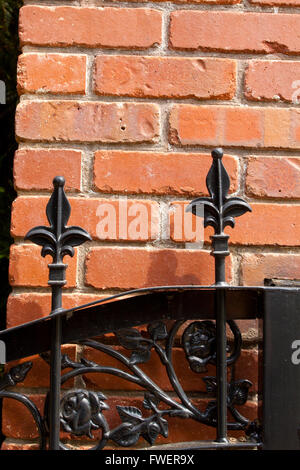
x=57 y=240
x=219 y=211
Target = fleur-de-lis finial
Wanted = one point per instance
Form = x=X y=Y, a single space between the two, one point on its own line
x=58 y=240
x=219 y=209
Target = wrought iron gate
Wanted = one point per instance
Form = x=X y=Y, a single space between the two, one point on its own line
x=199 y=314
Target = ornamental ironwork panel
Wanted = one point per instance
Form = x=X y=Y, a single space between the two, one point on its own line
x=145 y=322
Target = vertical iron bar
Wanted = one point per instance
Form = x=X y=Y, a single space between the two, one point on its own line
x=220 y=251
x=55 y=371
x=221 y=365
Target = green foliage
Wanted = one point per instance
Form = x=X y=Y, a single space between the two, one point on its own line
x=9 y=50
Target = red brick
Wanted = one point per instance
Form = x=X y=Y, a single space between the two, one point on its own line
x=165 y=77
x=28 y=268
x=65 y=121
x=34 y=169
x=51 y=73
x=156 y=173
x=63 y=26
x=273 y=177
x=272 y=80
x=235 y=126
x=243 y=126
x=141 y=267
x=104 y=219
x=17 y=421
x=278 y=128
x=216 y=125
x=190 y=125
x=285 y=3
x=235 y=31
x=280 y=224
x=26 y=307
x=257 y=267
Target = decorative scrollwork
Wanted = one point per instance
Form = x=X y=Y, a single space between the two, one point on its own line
x=82 y=410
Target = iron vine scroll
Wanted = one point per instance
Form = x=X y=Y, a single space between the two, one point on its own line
x=83 y=411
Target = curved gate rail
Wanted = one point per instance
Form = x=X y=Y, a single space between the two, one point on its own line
x=165 y=309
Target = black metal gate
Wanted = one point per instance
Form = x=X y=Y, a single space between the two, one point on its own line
x=164 y=310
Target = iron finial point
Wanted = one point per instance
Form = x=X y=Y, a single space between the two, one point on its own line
x=59 y=181
x=217 y=153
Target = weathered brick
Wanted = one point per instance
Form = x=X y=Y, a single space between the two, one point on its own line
x=141 y=267
x=280 y=224
x=34 y=169
x=275 y=3
x=26 y=307
x=260 y=266
x=51 y=73
x=278 y=128
x=274 y=80
x=104 y=219
x=28 y=268
x=235 y=126
x=65 y=121
x=235 y=31
x=273 y=177
x=156 y=173
x=189 y=125
x=243 y=126
x=63 y=26
x=165 y=77
x=17 y=421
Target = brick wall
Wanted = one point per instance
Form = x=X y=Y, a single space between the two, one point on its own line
x=126 y=100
